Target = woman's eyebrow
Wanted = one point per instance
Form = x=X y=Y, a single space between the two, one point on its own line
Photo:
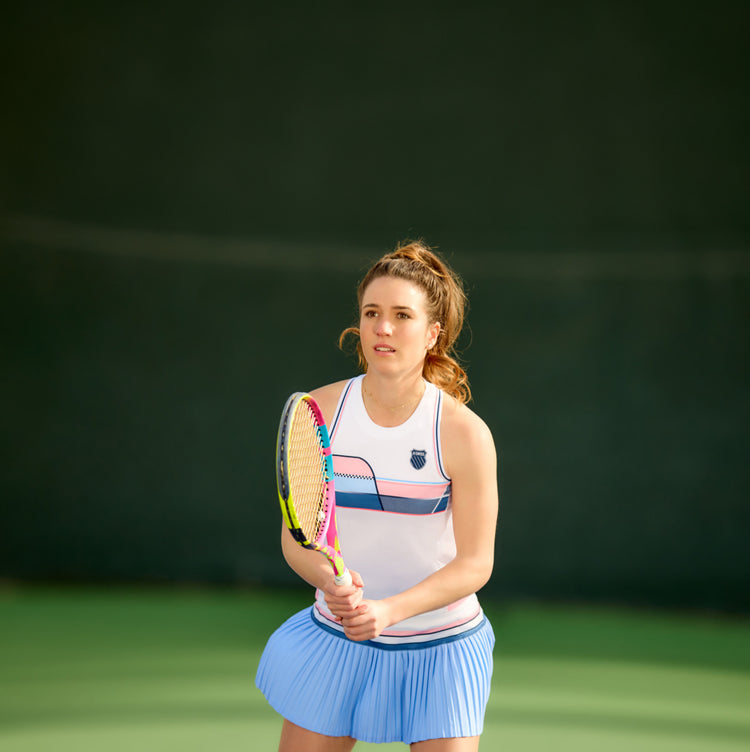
x=395 y=308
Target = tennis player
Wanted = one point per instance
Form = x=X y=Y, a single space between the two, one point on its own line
x=404 y=653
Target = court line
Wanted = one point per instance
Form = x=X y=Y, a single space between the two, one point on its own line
x=279 y=255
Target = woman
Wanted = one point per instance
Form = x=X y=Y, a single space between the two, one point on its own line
x=405 y=652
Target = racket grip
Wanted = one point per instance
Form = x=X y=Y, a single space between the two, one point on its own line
x=343 y=579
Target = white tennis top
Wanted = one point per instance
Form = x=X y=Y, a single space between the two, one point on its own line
x=394 y=515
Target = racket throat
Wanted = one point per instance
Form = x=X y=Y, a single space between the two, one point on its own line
x=300 y=537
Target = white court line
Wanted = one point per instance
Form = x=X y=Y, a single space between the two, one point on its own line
x=282 y=256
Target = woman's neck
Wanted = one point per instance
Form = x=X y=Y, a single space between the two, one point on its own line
x=389 y=402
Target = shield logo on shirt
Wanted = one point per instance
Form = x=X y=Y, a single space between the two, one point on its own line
x=418 y=458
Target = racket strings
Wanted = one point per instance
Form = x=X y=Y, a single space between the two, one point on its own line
x=307 y=472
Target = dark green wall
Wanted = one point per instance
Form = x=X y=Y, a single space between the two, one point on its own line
x=169 y=171
x=526 y=123
x=141 y=398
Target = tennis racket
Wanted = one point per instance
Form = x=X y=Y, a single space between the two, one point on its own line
x=304 y=477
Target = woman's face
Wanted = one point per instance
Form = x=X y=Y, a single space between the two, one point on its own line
x=395 y=331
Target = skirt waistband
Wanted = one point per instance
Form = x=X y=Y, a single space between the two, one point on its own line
x=405 y=645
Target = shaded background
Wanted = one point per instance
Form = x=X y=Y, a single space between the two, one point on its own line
x=171 y=176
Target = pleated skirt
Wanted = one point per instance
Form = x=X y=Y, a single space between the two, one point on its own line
x=322 y=681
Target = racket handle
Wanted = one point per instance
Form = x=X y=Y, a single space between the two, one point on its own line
x=343 y=579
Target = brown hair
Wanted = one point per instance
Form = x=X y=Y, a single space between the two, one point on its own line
x=415 y=262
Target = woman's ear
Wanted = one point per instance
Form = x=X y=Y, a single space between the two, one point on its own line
x=433 y=334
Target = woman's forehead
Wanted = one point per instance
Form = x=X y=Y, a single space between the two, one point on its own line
x=393 y=292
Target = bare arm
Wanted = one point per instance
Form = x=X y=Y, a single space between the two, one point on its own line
x=471 y=462
x=310 y=565
x=315 y=569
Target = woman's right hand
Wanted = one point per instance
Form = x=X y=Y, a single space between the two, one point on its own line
x=343 y=599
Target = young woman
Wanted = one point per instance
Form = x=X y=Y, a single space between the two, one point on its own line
x=405 y=652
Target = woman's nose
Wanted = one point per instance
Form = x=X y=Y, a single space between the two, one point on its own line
x=384 y=327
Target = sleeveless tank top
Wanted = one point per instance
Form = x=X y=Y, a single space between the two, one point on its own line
x=394 y=515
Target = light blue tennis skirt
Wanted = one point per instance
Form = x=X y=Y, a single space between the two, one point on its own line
x=322 y=681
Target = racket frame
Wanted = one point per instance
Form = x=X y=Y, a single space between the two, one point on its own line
x=326 y=541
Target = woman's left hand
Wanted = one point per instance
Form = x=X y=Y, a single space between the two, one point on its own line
x=367 y=620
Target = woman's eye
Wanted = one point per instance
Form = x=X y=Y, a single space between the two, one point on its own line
x=403 y=315
x=370 y=314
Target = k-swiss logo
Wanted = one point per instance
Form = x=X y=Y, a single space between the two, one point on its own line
x=418 y=458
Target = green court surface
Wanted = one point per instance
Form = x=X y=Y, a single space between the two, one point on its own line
x=158 y=669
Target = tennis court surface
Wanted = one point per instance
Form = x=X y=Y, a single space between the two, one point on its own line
x=163 y=669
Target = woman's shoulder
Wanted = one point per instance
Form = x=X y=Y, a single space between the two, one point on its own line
x=328 y=397
x=462 y=429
